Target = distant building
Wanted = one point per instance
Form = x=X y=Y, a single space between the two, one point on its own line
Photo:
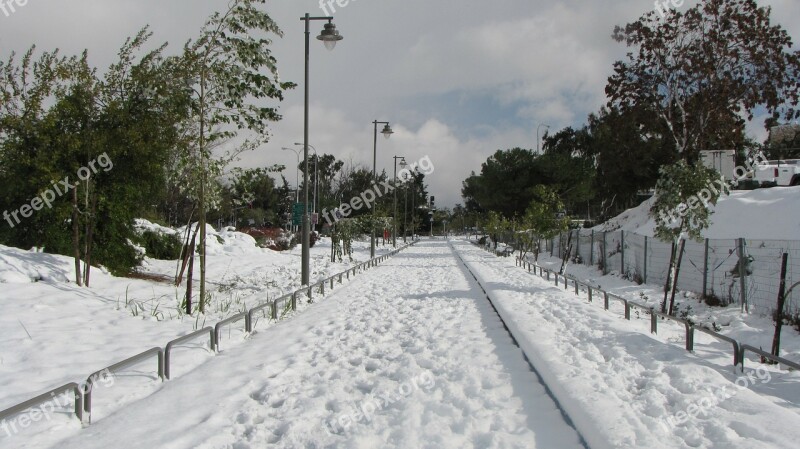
x=783 y=134
x=723 y=161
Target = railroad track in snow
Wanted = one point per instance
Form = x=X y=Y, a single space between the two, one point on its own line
x=533 y=369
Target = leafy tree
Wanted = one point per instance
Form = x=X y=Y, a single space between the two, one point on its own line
x=541 y=220
x=232 y=72
x=629 y=148
x=703 y=69
x=681 y=210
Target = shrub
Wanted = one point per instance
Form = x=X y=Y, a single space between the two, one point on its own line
x=161 y=246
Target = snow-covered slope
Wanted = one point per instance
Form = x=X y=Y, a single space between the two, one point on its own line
x=755 y=214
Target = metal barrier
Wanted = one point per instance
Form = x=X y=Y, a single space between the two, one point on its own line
x=229 y=320
x=738 y=352
x=766 y=355
x=170 y=345
x=47 y=397
x=83 y=399
x=87 y=398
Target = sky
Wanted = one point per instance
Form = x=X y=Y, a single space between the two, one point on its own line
x=457 y=80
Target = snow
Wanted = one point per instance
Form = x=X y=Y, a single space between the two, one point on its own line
x=409 y=354
x=624 y=387
x=754 y=214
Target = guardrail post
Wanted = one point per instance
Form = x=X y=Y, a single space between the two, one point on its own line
x=591 y=250
x=605 y=294
x=627 y=311
x=294 y=300
x=653 y=322
x=689 y=337
x=556 y=275
x=274 y=310
x=705 y=270
x=644 y=277
x=603 y=255
x=590 y=292
x=577 y=292
x=622 y=252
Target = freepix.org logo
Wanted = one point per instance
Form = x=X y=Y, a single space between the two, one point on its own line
x=327 y=6
x=369 y=196
x=9 y=6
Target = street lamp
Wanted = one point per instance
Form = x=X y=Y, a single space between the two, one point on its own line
x=387 y=132
x=402 y=164
x=537 y=134
x=329 y=36
x=316 y=177
x=296 y=176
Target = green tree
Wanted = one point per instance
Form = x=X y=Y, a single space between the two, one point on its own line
x=684 y=195
x=542 y=220
x=232 y=72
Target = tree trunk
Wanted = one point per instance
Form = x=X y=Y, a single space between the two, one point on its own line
x=189 y=277
x=669 y=277
x=76 y=237
x=187 y=253
x=776 y=339
x=675 y=278
x=87 y=266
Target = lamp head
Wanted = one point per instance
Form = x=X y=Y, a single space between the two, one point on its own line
x=387 y=131
x=330 y=36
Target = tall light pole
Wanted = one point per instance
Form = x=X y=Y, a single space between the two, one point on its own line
x=330 y=36
x=394 y=217
x=387 y=132
x=537 y=135
x=296 y=174
x=405 y=210
x=316 y=177
x=296 y=178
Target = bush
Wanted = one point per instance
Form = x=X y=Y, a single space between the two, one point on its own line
x=161 y=246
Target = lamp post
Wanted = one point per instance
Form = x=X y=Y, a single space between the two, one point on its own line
x=296 y=174
x=387 y=132
x=329 y=36
x=537 y=134
x=394 y=216
x=316 y=177
x=405 y=209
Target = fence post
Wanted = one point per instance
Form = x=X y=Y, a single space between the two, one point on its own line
x=644 y=277
x=742 y=282
x=705 y=270
x=605 y=265
x=622 y=252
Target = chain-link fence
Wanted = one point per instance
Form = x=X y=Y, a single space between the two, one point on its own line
x=712 y=267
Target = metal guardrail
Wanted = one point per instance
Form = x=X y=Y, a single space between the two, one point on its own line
x=47 y=397
x=87 y=397
x=83 y=399
x=226 y=321
x=765 y=355
x=187 y=337
x=738 y=348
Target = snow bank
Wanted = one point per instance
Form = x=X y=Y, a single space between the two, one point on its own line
x=754 y=214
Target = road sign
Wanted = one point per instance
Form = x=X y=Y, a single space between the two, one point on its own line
x=297 y=213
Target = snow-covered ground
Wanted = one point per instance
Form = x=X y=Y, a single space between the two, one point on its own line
x=753 y=214
x=54 y=332
x=408 y=355
x=626 y=388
